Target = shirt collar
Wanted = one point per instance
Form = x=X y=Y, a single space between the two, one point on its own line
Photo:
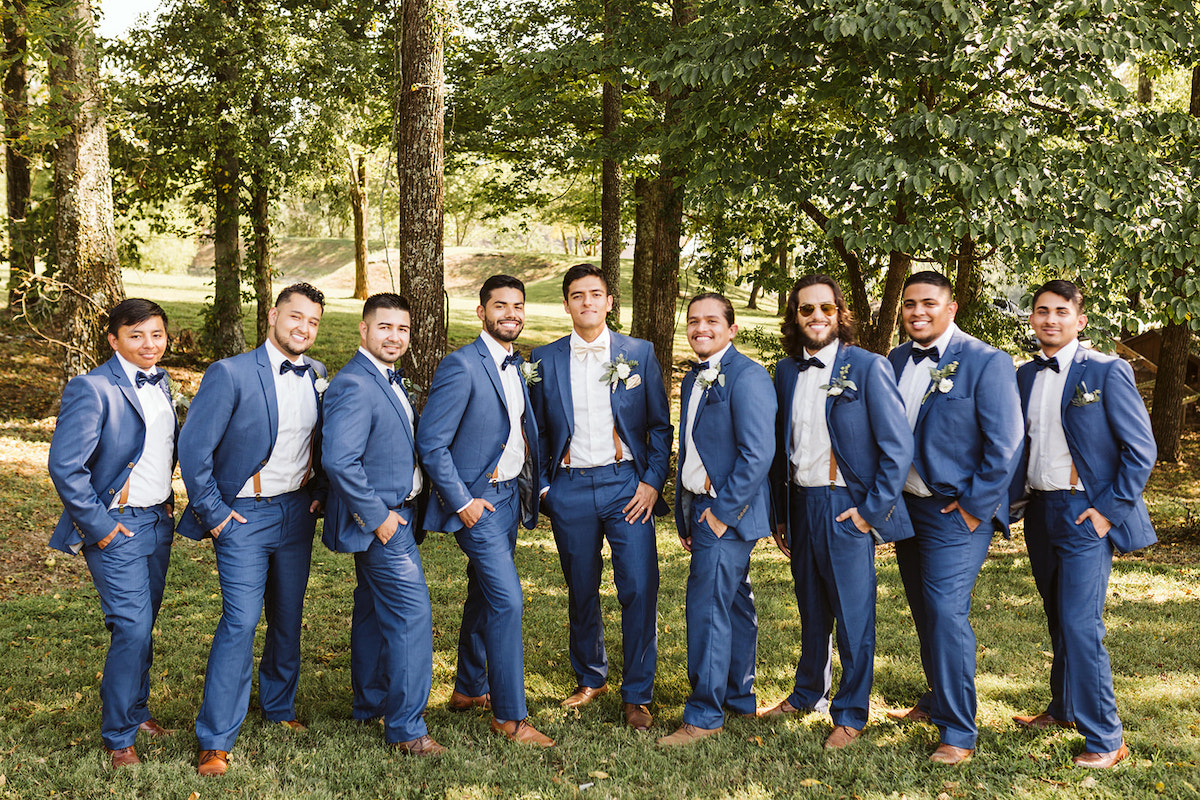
x=943 y=342
x=277 y=357
x=603 y=339
x=827 y=354
x=498 y=350
x=131 y=371
x=1065 y=355
x=715 y=360
x=379 y=365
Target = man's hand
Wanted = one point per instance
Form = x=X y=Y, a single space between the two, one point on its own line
x=232 y=515
x=1099 y=521
x=471 y=514
x=103 y=543
x=389 y=527
x=781 y=540
x=972 y=522
x=686 y=544
x=316 y=507
x=860 y=523
x=641 y=504
x=717 y=526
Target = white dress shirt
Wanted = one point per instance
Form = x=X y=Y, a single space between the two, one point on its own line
x=592 y=443
x=692 y=474
x=1049 y=457
x=914 y=383
x=150 y=479
x=399 y=392
x=290 y=461
x=810 y=443
x=513 y=458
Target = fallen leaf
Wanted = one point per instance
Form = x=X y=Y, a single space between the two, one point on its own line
x=811 y=782
x=598 y=775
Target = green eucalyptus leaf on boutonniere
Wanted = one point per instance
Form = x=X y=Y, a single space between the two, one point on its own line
x=940 y=380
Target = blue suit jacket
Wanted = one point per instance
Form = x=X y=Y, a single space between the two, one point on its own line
x=869 y=434
x=967 y=440
x=463 y=432
x=368 y=453
x=735 y=437
x=641 y=414
x=97 y=440
x=1110 y=442
x=229 y=434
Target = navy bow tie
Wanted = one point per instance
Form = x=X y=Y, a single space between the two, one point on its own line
x=143 y=378
x=395 y=376
x=698 y=366
x=286 y=366
x=918 y=355
x=1045 y=363
x=803 y=363
x=511 y=358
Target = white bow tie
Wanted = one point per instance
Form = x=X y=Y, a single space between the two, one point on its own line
x=583 y=349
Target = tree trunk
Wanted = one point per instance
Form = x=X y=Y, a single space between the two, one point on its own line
x=755 y=288
x=1145 y=87
x=223 y=332
x=610 y=180
x=968 y=278
x=358 y=205
x=781 y=256
x=420 y=163
x=84 y=235
x=21 y=251
x=653 y=303
x=260 y=223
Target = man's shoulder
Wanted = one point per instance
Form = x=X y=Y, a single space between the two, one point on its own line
x=558 y=345
x=973 y=347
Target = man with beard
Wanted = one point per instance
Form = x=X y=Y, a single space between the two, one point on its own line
x=843 y=449
x=478 y=441
x=247 y=453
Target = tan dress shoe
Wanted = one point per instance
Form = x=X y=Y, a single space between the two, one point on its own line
x=637 y=716
x=687 y=734
x=913 y=714
x=950 y=755
x=293 y=725
x=464 y=702
x=124 y=757
x=584 y=695
x=1101 y=760
x=152 y=728
x=521 y=731
x=1041 y=722
x=842 y=735
x=213 y=763
x=421 y=746
x=782 y=709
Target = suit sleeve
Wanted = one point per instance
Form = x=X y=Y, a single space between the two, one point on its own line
x=208 y=417
x=1130 y=424
x=779 y=468
x=659 y=431
x=998 y=412
x=752 y=405
x=537 y=399
x=76 y=436
x=889 y=424
x=318 y=485
x=347 y=427
x=448 y=395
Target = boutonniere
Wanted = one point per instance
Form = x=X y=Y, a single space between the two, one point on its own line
x=410 y=387
x=620 y=370
x=711 y=375
x=529 y=372
x=1083 y=397
x=180 y=400
x=840 y=384
x=320 y=384
x=940 y=380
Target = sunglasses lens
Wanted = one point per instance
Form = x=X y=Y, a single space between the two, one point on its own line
x=807 y=309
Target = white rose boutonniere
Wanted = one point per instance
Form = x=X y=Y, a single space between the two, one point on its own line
x=1083 y=397
x=180 y=400
x=620 y=370
x=840 y=384
x=529 y=372
x=711 y=375
x=321 y=384
x=940 y=380
x=410 y=387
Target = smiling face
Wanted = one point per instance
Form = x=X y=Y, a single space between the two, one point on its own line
x=385 y=334
x=588 y=302
x=927 y=311
x=504 y=315
x=142 y=344
x=820 y=327
x=708 y=331
x=294 y=323
x=1056 y=322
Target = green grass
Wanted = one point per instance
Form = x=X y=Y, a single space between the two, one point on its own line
x=52 y=645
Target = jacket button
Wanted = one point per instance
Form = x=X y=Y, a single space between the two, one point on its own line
x=112 y=491
x=131 y=465
x=263 y=462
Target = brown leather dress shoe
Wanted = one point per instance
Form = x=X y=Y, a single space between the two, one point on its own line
x=421 y=746
x=295 y=726
x=213 y=763
x=464 y=702
x=950 y=755
x=125 y=757
x=637 y=716
x=782 y=709
x=584 y=695
x=913 y=714
x=1041 y=722
x=687 y=734
x=152 y=727
x=842 y=735
x=521 y=731
x=1101 y=760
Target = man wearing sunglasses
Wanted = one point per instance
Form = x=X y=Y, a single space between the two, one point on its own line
x=843 y=449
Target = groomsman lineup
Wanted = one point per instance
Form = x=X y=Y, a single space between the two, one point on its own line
x=934 y=449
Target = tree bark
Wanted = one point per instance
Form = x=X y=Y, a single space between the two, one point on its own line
x=968 y=278
x=358 y=206
x=755 y=288
x=21 y=251
x=84 y=234
x=224 y=335
x=781 y=256
x=420 y=163
x=653 y=303
x=260 y=223
x=610 y=178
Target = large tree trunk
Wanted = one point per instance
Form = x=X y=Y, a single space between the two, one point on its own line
x=84 y=235
x=223 y=331
x=358 y=206
x=968 y=278
x=21 y=251
x=653 y=303
x=781 y=258
x=260 y=225
x=420 y=164
x=610 y=177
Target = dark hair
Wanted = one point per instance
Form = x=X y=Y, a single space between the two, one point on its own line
x=1064 y=289
x=720 y=298
x=932 y=278
x=583 y=271
x=793 y=340
x=385 y=300
x=499 y=282
x=306 y=289
x=133 y=311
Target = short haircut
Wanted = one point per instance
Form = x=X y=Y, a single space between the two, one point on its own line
x=305 y=289
x=499 y=282
x=133 y=311
x=792 y=339
x=720 y=298
x=1064 y=289
x=385 y=300
x=932 y=278
x=583 y=271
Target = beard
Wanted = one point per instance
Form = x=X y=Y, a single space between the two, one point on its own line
x=499 y=334
x=813 y=344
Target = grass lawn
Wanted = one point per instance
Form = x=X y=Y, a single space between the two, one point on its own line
x=52 y=645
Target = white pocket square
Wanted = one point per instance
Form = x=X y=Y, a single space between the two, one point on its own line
x=633 y=381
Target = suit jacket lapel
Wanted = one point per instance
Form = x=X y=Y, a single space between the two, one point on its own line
x=127 y=389
x=1074 y=378
x=617 y=348
x=899 y=357
x=951 y=355
x=267 y=378
x=365 y=364
x=1025 y=379
x=562 y=377
x=489 y=366
x=838 y=361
